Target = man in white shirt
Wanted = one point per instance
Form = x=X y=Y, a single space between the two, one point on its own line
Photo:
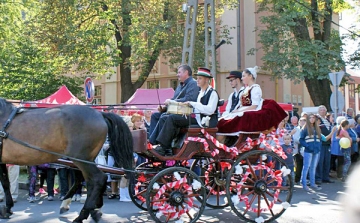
x=205 y=109
x=234 y=101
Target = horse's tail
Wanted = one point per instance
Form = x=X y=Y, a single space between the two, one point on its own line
x=121 y=143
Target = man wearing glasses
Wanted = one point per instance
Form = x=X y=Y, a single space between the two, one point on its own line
x=234 y=98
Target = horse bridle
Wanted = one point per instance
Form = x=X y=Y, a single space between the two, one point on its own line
x=3 y=133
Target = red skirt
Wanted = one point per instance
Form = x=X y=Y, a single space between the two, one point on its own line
x=269 y=116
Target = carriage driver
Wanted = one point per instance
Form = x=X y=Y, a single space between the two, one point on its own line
x=205 y=109
x=186 y=91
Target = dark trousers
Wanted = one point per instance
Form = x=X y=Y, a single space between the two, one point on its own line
x=171 y=125
x=298 y=161
x=323 y=167
x=64 y=174
x=50 y=180
x=156 y=124
x=337 y=164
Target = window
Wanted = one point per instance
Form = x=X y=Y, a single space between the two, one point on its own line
x=352 y=90
x=97 y=95
x=153 y=84
x=97 y=91
x=174 y=83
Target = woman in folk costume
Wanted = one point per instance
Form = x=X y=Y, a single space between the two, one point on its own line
x=254 y=114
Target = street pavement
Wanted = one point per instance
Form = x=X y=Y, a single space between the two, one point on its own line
x=320 y=206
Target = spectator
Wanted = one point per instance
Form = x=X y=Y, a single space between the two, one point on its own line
x=289 y=161
x=343 y=133
x=138 y=123
x=32 y=183
x=323 y=167
x=350 y=113
x=47 y=172
x=337 y=158
x=354 y=138
x=147 y=121
x=13 y=173
x=298 y=150
x=64 y=178
x=310 y=138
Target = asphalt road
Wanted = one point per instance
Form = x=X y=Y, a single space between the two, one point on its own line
x=322 y=206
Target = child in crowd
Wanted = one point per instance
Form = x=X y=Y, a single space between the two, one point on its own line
x=342 y=132
x=289 y=161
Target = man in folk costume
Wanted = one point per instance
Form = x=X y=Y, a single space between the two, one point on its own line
x=323 y=167
x=205 y=109
x=234 y=101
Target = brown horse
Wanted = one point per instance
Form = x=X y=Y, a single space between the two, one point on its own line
x=73 y=131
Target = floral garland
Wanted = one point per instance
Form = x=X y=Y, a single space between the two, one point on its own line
x=277 y=175
x=164 y=208
x=263 y=139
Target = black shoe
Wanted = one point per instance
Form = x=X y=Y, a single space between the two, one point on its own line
x=160 y=150
x=164 y=151
x=328 y=181
x=318 y=182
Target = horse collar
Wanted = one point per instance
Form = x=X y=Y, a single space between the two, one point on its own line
x=3 y=133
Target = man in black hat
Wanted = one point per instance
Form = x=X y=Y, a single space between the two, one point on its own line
x=205 y=109
x=234 y=98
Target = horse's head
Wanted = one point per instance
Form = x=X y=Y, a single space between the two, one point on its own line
x=5 y=108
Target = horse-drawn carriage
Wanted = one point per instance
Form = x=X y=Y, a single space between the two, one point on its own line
x=248 y=174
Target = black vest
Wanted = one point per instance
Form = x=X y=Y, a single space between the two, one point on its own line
x=235 y=100
x=214 y=117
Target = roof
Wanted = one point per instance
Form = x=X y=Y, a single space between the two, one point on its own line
x=149 y=98
x=60 y=97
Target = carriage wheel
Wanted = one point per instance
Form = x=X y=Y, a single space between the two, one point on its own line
x=137 y=189
x=173 y=195
x=213 y=174
x=257 y=176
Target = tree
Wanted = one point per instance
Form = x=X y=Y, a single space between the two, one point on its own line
x=300 y=44
x=95 y=36
x=26 y=71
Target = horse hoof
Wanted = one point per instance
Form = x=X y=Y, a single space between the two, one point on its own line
x=77 y=221
x=63 y=210
x=96 y=215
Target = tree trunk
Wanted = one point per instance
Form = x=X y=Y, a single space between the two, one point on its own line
x=319 y=91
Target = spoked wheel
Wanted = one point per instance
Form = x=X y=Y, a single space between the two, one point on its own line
x=137 y=189
x=173 y=196
x=213 y=174
x=258 y=176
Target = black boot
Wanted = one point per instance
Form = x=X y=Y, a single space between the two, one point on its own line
x=164 y=151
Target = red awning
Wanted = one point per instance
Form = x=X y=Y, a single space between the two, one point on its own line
x=149 y=98
x=60 y=97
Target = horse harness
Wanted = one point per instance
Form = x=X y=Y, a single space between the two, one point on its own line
x=3 y=133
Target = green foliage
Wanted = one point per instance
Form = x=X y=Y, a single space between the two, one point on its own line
x=291 y=51
x=48 y=39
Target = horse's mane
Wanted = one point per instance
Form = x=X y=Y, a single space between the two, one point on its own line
x=5 y=105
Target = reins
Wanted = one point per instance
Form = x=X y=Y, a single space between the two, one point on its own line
x=5 y=135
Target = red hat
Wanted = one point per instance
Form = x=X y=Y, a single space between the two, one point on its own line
x=202 y=71
x=235 y=74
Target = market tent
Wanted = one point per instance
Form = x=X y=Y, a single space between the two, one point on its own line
x=62 y=96
x=149 y=98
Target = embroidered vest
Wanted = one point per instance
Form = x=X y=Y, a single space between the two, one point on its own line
x=214 y=117
x=246 y=98
x=234 y=100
